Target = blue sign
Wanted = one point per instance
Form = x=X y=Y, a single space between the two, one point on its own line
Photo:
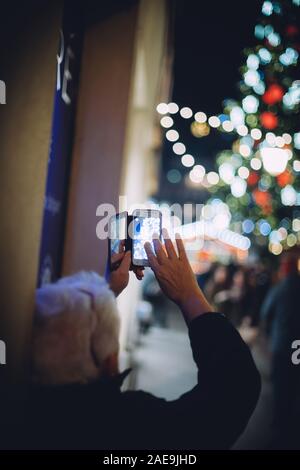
x=55 y=206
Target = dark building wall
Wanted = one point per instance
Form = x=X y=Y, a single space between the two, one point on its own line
x=29 y=34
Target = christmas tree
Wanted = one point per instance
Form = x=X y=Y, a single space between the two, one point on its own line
x=259 y=176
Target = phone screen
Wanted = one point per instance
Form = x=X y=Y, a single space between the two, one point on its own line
x=117 y=236
x=146 y=223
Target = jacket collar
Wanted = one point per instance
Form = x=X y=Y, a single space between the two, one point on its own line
x=117 y=380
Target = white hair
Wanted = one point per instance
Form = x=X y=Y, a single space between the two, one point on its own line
x=75 y=330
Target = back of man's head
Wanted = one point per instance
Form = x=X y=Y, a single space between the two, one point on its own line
x=76 y=330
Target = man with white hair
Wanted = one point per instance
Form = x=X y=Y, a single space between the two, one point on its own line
x=76 y=332
x=76 y=402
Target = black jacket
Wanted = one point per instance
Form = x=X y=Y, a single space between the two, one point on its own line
x=99 y=416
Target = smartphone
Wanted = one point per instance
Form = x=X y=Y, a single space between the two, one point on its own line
x=145 y=223
x=117 y=238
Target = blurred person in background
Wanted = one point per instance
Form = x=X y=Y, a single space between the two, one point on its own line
x=220 y=281
x=237 y=297
x=259 y=282
x=281 y=321
x=240 y=296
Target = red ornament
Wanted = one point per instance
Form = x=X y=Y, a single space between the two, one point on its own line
x=252 y=178
x=284 y=178
x=273 y=95
x=262 y=198
x=292 y=30
x=269 y=120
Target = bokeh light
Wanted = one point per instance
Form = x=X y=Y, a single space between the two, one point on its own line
x=173 y=108
x=238 y=186
x=172 y=135
x=213 y=177
x=214 y=121
x=243 y=172
x=200 y=117
x=186 y=112
x=250 y=104
x=179 y=148
x=256 y=134
x=174 y=176
x=162 y=108
x=255 y=163
x=227 y=126
x=242 y=130
x=226 y=172
x=166 y=122
x=187 y=160
x=200 y=129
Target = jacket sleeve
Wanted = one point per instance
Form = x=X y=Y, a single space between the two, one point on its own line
x=228 y=384
x=216 y=411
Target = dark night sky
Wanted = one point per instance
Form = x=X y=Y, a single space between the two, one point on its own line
x=209 y=39
x=208 y=50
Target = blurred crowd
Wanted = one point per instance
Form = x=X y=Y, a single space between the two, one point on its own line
x=237 y=291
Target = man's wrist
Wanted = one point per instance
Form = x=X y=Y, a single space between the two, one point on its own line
x=194 y=305
x=116 y=290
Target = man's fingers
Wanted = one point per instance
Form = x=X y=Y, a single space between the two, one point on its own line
x=139 y=273
x=180 y=247
x=151 y=256
x=126 y=261
x=116 y=257
x=160 y=253
x=169 y=245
